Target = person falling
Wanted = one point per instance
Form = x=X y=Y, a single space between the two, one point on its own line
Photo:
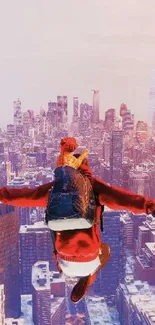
x=80 y=252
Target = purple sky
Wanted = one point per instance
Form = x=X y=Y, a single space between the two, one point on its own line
x=51 y=48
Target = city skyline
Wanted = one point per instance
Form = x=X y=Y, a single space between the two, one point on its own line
x=51 y=54
x=83 y=69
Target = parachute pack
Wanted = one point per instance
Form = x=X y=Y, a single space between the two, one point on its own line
x=71 y=203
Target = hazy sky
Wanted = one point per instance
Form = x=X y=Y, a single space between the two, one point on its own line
x=68 y=47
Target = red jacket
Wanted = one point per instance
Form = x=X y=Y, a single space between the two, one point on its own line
x=80 y=245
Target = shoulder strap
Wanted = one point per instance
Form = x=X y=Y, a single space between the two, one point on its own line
x=53 y=236
x=101 y=219
x=102 y=210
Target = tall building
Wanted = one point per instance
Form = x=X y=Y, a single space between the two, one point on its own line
x=141 y=131
x=106 y=148
x=95 y=117
x=114 y=272
x=151 y=108
x=145 y=259
x=135 y=303
x=85 y=118
x=47 y=308
x=9 y=260
x=28 y=121
x=17 y=117
x=52 y=113
x=139 y=181
x=75 y=109
x=35 y=245
x=75 y=119
x=3 y=166
x=110 y=117
x=94 y=163
x=3 y=173
x=138 y=220
x=41 y=294
x=123 y=109
x=127 y=122
x=2 y=305
x=11 y=130
x=99 y=312
x=62 y=109
x=128 y=230
x=116 y=158
x=126 y=167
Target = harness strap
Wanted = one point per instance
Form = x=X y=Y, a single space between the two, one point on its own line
x=101 y=219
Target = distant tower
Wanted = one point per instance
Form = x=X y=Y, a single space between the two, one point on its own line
x=116 y=158
x=8 y=171
x=123 y=109
x=62 y=109
x=75 y=109
x=52 y=113
x=109 y=277
x=152 y=100
x=9 y=261
x=32 y=250
x=95 y=117
x=2 y=305
x=17 y=117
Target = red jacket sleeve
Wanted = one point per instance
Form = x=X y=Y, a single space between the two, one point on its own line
x=26 y=197
x=118 y=198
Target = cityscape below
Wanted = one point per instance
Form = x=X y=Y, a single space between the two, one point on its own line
x=122 y=153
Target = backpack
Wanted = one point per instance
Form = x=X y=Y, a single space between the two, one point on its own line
x=71 y=204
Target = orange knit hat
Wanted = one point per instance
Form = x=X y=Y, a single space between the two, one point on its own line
x=68 y=144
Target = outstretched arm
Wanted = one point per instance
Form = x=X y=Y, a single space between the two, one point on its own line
x=26 y=197
x=118 y=198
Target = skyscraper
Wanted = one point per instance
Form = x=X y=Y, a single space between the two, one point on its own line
x=110 y=117
x=116 y=157
x=2 y=305
x=52 y=113
x=41 y=293
x=123 y=109
x=95 y=117
x=135 y=302
x=35 y=245
x=75 y=120
x=75 y=109
x=152 y=100
x=17 y=118
x=9 y=260
x=62 y=109
x=47 y=308
x=85 y=118
x=139 y=181
x=114 y=272
x=145 y=259
x=127 y=122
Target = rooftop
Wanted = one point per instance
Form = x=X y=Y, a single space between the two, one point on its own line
x=42 y=277
x=38 y=226
x=99 y=313
x=151 y=247
x=143 y=228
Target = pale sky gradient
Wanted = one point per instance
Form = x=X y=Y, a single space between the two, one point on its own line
x=68 y=47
